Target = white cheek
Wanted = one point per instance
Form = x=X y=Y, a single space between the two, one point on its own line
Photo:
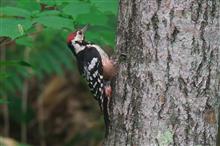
x=79 y=38
x=77 y=47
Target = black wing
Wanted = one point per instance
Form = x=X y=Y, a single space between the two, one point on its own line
x=94 y=77
x=90 y=65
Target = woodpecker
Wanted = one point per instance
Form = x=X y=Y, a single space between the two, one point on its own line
x=95 y=66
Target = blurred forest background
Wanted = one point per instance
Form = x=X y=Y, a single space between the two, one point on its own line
x=43 y=100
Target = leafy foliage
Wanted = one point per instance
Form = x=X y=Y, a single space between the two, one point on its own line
x=13 y=62
x=76 y=8
x=37 y=44
x=14 y=28
x=13 y=11
x=54 y=20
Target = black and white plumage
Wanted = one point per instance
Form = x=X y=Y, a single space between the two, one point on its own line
x=95 y=66
x=90 y=67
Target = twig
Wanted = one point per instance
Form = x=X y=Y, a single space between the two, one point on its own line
x=25 y=100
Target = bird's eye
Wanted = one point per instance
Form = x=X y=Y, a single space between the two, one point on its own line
x=80 y=32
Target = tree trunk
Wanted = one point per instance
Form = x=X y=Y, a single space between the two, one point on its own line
x=167 y=89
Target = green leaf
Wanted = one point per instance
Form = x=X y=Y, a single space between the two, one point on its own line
x=108 y=37
x=49 y=13
x=28 y=4
x=13 y=11
x=54 y=2
x=24 y=63
x=55 y=22
x=14 y=62
x=76 y=8
x=104 y=6
x=6 y=63
x=92 y=19
x=102 y=35
x=14 y=28
x=93 y=37
x=48 y=2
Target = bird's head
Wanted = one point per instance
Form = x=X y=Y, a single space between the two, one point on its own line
x=76 y=38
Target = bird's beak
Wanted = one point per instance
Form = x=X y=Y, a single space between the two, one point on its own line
x=84 y=28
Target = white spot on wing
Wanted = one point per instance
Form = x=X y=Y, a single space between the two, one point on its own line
x=94 y=85
x=86 y=73
x=95 y=74
x=92 y=63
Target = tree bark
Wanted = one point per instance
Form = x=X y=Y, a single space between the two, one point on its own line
x=167 y=89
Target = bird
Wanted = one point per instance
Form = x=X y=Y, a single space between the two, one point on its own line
x=96 y=67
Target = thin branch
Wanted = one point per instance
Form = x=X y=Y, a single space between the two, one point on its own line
x=25 y=99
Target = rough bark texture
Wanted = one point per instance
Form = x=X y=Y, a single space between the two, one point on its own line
x=167 y=89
